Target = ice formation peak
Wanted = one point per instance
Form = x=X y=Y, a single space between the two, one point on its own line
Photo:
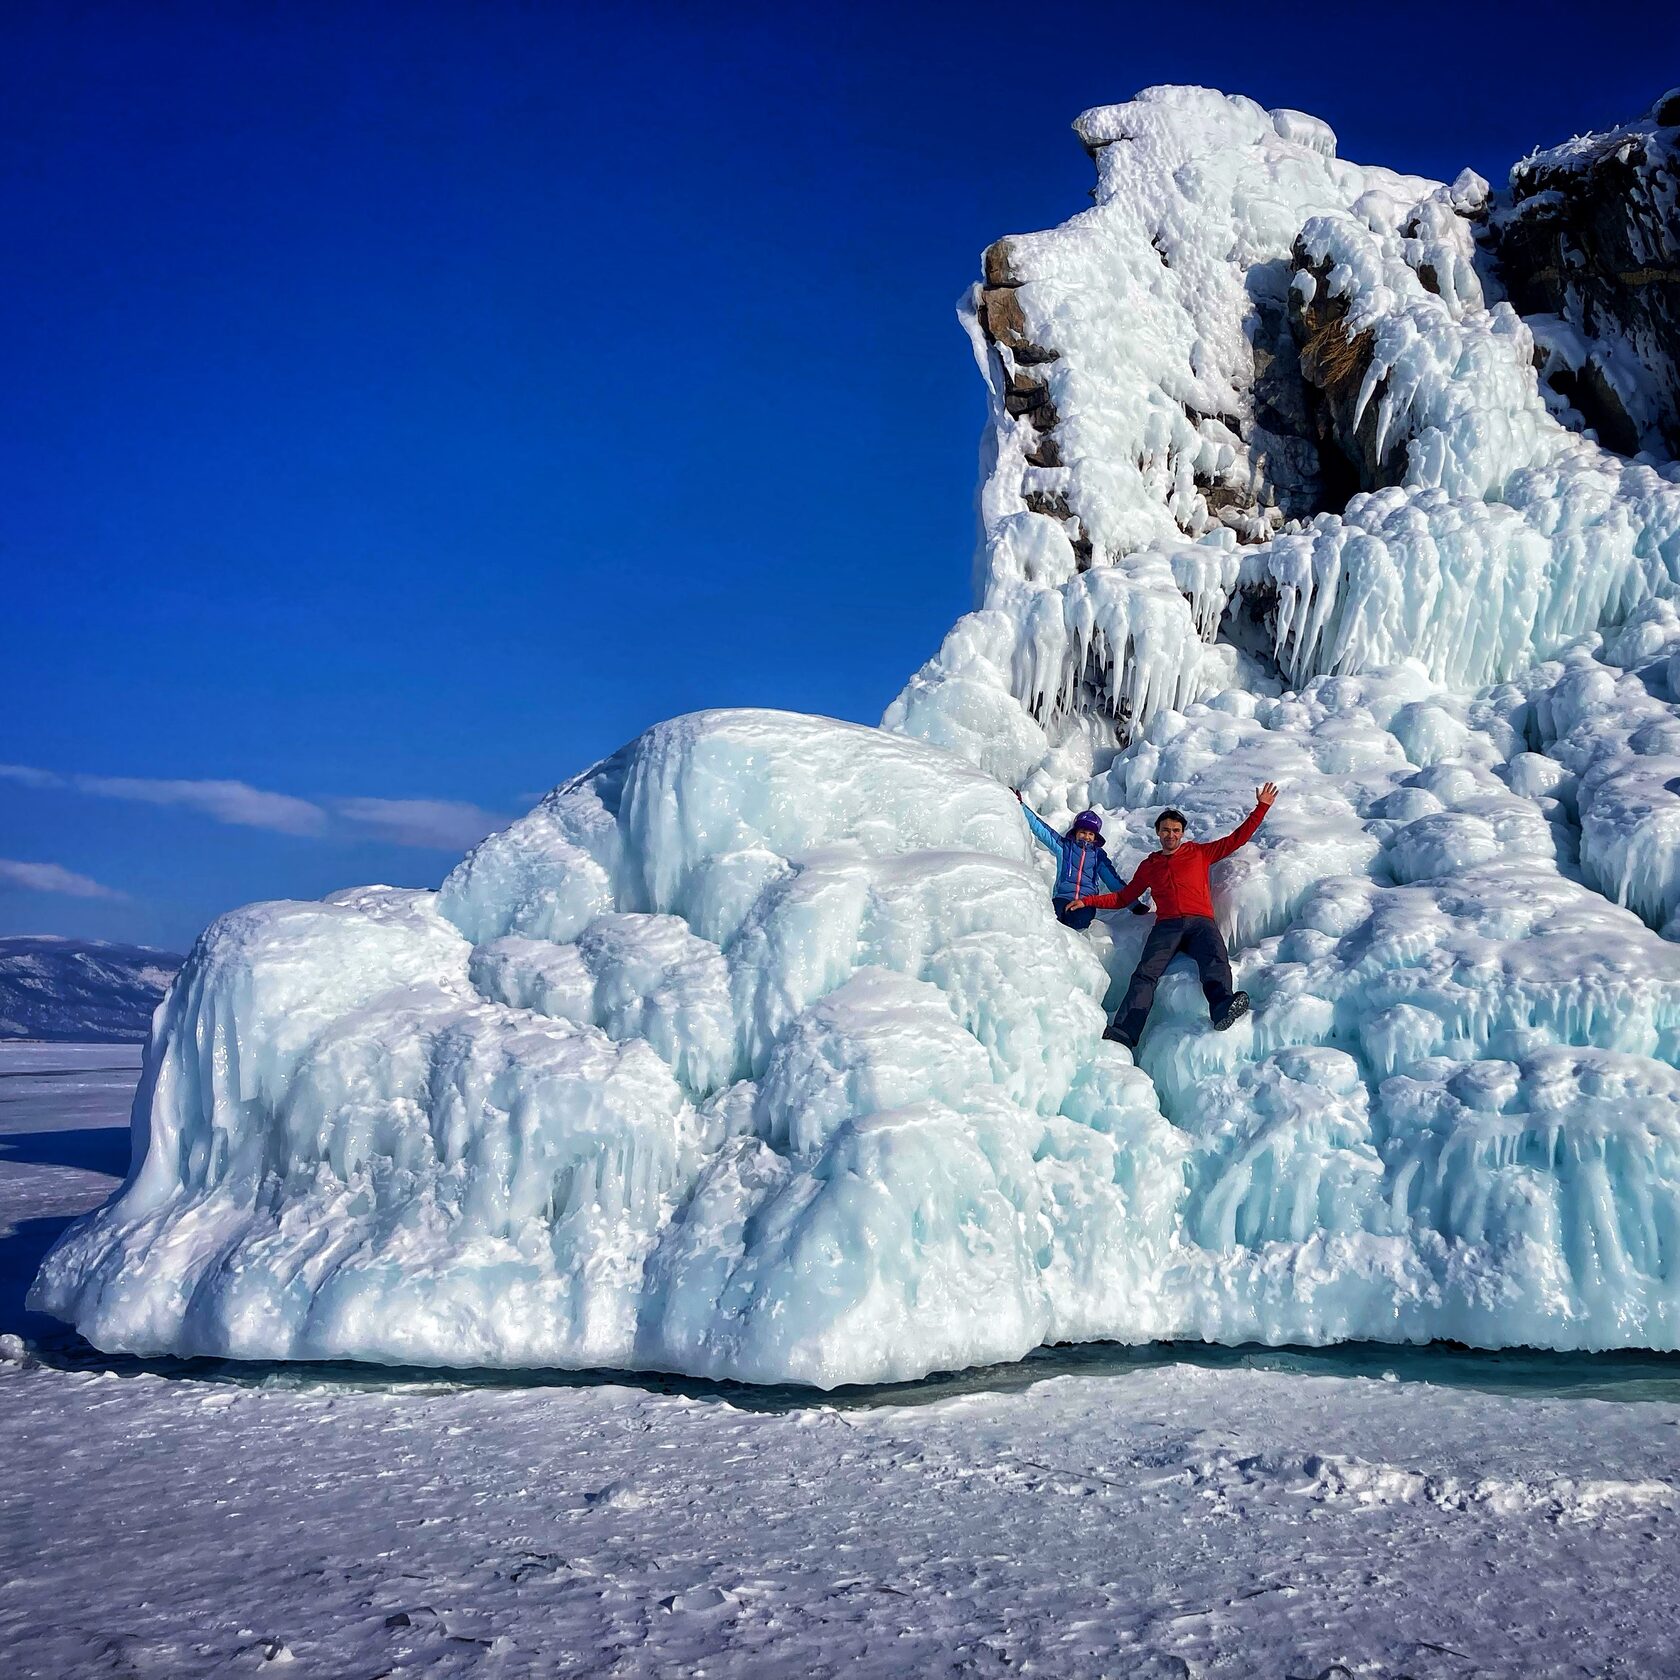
x=1262 y=414
x=756 y=1051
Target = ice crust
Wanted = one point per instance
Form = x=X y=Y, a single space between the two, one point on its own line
x=755 y=1051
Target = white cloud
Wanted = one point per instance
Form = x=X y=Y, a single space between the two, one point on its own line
x=445 y=824
x=441 y=824
x=227 y=802
x=52 y=878
x=30 y=777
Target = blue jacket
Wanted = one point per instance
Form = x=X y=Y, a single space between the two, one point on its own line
x=1080 y=870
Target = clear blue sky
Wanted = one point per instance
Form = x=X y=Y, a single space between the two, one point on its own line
x=412 y=402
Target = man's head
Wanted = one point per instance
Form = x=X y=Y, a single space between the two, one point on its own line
x=1169 y=830
x=1087 y=829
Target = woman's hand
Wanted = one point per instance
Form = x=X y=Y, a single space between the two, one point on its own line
x=1267 y=794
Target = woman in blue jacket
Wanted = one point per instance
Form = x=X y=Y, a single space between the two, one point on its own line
x=1080 y=860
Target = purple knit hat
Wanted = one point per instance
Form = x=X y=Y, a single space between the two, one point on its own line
x=1087 y=819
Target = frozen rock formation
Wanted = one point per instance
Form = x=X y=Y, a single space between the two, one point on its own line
x=1259 y=415
x=755 y=1051
x=1587 y=240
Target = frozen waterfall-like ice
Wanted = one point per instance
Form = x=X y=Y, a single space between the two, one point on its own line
x=755 y=1051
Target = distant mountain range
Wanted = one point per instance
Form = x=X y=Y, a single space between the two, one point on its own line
x=80 y=989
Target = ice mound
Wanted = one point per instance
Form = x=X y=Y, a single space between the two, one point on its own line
x=756 y=1051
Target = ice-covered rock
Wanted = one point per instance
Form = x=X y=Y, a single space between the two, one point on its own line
x=1587 y=241
x=756 y=1051
x=1191 y=379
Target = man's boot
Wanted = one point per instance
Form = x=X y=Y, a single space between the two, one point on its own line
x=1232 y=1013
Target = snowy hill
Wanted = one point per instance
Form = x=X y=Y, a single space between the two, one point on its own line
x=84 y=990
x=756 y=1050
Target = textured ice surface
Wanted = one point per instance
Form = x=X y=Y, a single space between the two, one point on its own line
x=756 y=1051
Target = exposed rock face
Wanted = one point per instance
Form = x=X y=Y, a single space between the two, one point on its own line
x=1333 y=363
x=1587 y=240
x=1279 y=429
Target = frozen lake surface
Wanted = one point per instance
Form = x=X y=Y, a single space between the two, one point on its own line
x=1091 y=1511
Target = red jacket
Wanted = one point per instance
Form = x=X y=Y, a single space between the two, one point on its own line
x=1180 y=882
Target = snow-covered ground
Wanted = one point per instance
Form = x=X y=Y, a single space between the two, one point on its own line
x=1090 y=1512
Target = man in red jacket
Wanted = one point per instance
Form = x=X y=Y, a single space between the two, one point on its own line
x=1178 y=877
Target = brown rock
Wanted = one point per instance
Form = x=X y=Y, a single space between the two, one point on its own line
x=1026 y=398
x=1005 y=323
x=998 y=264
x=1000 y=311
x=1051 y=502
x=1333 y=367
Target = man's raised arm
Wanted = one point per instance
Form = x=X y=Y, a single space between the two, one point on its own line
x=1249 y=827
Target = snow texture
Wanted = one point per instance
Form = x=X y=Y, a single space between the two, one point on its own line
x=756 y=1051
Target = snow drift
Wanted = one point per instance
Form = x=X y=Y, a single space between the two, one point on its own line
x=755 y=1051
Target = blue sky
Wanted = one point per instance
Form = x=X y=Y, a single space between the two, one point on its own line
x=409 y=403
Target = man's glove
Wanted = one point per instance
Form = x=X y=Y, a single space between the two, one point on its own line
x=1139 y=908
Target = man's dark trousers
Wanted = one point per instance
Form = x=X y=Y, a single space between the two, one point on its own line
x=1199 y=938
